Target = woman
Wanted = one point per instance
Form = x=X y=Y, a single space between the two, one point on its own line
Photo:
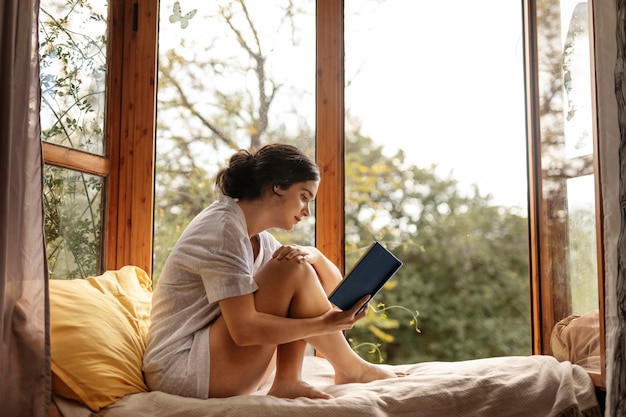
x=232 y=302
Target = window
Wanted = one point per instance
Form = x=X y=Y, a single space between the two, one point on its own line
x=99 y=147
x=567 y=258
x=232 y=76
x=73 y=75
x=97 y=73
x=436 y=169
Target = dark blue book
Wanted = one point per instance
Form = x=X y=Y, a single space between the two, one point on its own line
x=368 y=276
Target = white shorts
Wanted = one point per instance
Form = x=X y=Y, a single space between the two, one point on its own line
x=187 y=371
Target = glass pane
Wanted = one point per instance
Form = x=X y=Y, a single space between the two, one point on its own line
x=583 y=262
x=73 y=222
x=569 y=252
x=232 y=75
x=73 y=45
x=436 y=169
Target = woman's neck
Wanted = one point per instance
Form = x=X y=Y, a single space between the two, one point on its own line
x=255 y=213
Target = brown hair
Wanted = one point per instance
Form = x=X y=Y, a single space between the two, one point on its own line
x=249 y=172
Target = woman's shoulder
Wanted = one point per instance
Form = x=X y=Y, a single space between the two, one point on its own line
x=222 y=211
x=214 y=226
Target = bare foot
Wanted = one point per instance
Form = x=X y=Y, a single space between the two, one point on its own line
x=367 y=372
x=295 y=389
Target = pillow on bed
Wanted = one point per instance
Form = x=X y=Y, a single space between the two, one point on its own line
x=98 y=329
x=577 y=339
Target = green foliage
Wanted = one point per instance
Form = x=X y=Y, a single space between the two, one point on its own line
x=379 y=324
x=72 y=223
x=72 y=56
x=465 y=261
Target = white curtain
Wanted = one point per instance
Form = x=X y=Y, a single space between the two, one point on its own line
x=610 y=67
x=25 y=344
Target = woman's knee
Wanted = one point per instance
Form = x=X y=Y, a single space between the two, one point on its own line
x=282 y=282
x=287 y=271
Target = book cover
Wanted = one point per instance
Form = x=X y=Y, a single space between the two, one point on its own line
x=375 y=267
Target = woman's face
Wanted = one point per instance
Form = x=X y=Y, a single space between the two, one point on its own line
x=295 y=202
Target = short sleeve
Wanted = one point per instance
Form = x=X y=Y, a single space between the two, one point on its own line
x=227 y=269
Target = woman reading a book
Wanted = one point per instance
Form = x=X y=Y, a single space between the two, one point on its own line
x=232 y=304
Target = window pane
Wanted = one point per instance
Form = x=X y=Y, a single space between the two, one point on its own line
x=73 y=223
x=569 y=252
x=72 y=55
x=436 y=169
x=226 y=83
x=582 y=244
x=73 y=45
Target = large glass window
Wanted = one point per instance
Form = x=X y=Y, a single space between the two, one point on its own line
x=436 y=169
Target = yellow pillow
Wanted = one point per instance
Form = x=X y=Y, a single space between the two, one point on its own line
x=98 y=329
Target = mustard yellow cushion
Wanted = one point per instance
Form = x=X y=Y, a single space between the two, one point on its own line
x=98 y=329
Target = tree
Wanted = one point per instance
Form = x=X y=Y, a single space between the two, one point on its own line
x=465 y=262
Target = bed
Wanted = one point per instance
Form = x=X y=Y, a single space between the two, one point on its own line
x=98 y=328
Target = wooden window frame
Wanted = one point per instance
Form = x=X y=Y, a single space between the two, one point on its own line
x=131 y=133
x=543 y=308
x=330 y=116
x=128 y=164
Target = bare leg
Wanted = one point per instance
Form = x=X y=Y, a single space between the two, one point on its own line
x=278 y=282
x=287 y=289
x=310 y=301
x=287 y=381
x=235 y=370
x=348 y=365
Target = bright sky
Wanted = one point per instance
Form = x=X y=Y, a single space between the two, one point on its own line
x=442 y=80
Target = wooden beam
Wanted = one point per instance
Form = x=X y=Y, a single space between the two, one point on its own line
x=330 y=130
x=534 y=178
x=73 y=159
x=132 y=104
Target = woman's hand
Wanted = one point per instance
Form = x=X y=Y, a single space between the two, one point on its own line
x=327 y=272
x=338 y=319
x=298 y=253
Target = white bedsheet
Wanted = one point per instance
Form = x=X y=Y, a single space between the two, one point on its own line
x=506 y=386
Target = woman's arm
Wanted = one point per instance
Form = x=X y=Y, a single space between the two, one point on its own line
x=289 y=304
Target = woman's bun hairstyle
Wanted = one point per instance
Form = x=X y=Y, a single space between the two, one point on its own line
x=250 y=172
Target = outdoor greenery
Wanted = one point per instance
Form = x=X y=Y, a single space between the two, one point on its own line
x=72 y=60
x=464 y=289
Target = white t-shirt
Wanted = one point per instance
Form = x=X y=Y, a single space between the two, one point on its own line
x=212 y=260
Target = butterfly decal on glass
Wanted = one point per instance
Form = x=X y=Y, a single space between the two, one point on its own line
x=177 y=15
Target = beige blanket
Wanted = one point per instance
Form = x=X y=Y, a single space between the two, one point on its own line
x=507 y=386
